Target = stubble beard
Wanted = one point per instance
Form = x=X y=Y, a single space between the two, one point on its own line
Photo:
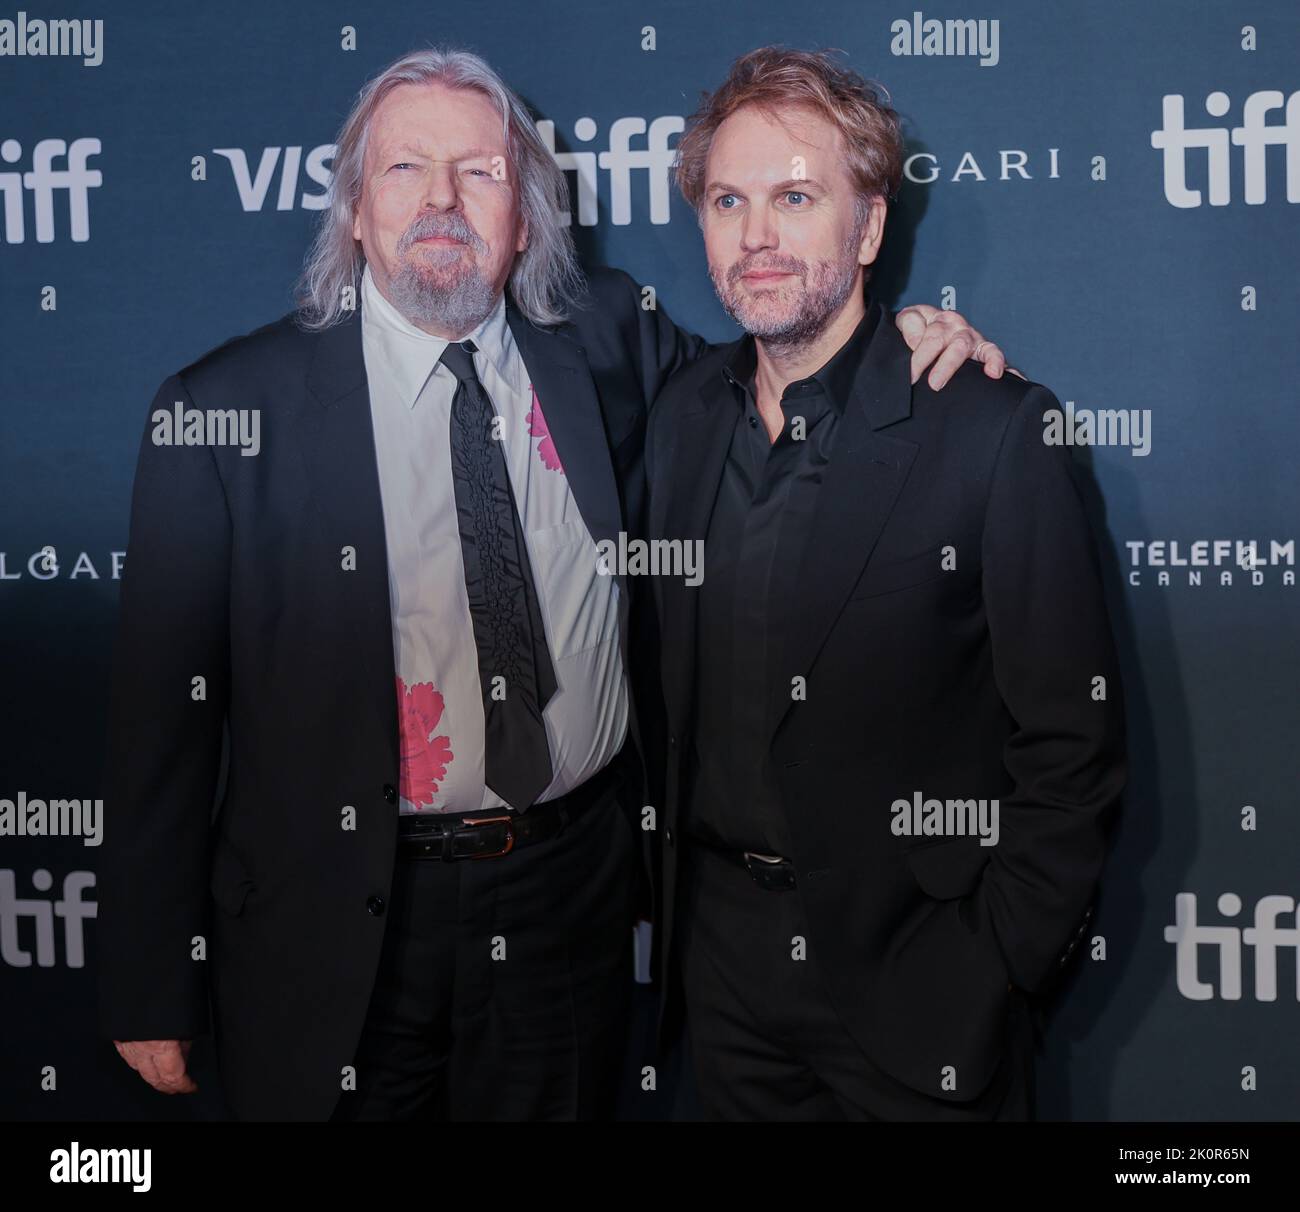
x=789 y=318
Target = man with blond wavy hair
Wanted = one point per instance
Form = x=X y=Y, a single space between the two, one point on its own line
x=894 y=712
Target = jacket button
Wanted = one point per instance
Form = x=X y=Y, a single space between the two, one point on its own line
x=672 y=742
x=668 y=836
x=390 y=793
x=375 y=906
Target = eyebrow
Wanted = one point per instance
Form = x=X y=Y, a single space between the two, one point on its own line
x=470 y=153
x=790 y=183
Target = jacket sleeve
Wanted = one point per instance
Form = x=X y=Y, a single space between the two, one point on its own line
x=1056 y=669
x=164 y=742
x=662 y=347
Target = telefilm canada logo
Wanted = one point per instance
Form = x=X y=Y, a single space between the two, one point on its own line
x=1226 y=563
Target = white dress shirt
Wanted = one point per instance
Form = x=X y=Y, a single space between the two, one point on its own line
x=440 y=703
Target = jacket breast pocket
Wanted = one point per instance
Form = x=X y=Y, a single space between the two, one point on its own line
x=230 y=883
x=949 y=868
x=892 y=575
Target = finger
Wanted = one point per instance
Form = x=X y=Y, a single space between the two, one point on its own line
x=926 y=311
x=911 y=323
x=950 y=361
x=171 y=1069
x=931 y=346
x=994 y=362
x=147 y=1068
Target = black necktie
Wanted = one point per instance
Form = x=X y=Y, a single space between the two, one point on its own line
x=514 y=664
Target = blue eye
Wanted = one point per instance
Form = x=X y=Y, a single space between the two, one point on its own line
x=794 y=193
x=723 y=198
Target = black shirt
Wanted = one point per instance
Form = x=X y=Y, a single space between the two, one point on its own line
x=765 y=503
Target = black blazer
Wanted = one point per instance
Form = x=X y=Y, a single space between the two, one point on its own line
x=235 y=574
x=974 y=682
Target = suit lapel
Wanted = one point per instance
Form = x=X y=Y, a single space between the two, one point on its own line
x=698 y=455
x=866 y=472
x=561 y=377
x=338 y=447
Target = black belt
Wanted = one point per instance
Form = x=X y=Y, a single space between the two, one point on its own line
x=497 y=832
x=770 y=872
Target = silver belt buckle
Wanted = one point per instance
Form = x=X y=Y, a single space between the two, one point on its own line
x=771 y=872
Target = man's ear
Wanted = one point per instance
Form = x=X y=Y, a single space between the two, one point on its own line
x=522 y=243
x=873 y=233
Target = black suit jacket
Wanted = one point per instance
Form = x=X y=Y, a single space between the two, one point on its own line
x=969 y=683
x=236 y=575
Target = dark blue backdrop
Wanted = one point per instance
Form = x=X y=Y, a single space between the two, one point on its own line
x=1037 y=205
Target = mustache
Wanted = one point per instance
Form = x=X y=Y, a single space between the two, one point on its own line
x=785 y=265
x=450 y=226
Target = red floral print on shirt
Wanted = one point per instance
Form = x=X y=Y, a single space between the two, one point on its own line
x=537 y=429
x=424 y=757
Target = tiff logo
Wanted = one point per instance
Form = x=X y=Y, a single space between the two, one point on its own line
x=619 y=161
x=43 y=910
x=1265 y=938
x=42 y=179
x=1254 y=136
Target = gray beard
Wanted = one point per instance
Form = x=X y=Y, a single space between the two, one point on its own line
x=455 y=303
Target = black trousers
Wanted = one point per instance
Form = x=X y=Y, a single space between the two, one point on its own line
x=504 y=986
x=766 y=1041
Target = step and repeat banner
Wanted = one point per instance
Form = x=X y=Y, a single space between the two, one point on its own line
x=1109 y=191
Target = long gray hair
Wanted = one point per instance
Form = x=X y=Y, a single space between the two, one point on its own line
x=545 y=279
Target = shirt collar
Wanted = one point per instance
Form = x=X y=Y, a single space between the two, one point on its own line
x=411 y=355
x=836 y=378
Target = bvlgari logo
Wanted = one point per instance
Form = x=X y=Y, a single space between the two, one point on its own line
x=47 y=564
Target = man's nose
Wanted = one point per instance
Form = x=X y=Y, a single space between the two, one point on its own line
x=440 y=187
x=758 y=230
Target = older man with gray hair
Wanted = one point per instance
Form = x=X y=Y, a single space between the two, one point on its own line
x=375 y=757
